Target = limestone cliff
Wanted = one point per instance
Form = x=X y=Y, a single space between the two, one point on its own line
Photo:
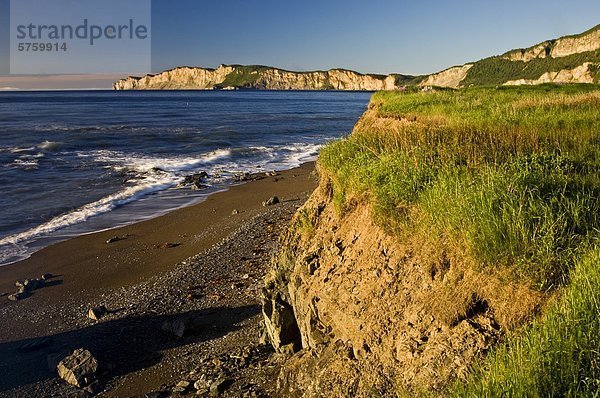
x=365 y=314
x=261 y=77
x=569 y=59
x=584 y=73
x=450 y=77
x=179 y=78
x=562 y=47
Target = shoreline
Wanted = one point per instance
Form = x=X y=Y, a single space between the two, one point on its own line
x=214 y=276
x=86 y=265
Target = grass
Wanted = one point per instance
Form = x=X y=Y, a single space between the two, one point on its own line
x=559 y=356
x=243 y=76
x=513 y=174
x=497 y=70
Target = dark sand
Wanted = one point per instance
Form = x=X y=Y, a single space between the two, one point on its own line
x=90 y=271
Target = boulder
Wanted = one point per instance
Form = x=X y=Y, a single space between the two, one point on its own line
x=271 y=201
x=78 y=369
x=195 y=180
x=242 y=177
x=184 y=326
x=113 y=240
x=18 y=296
x=54 y=359
x=196 y=186
x=30 y=284
x=182 y=386
x=97 y=312
x=218 y=387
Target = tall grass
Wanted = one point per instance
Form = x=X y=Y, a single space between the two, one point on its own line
x=521 y=194
x=512 y=174
x=559 y=356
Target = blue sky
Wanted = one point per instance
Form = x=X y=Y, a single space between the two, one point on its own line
x=379 y=36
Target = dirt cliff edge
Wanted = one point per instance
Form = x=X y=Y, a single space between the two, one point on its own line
x=363 y=312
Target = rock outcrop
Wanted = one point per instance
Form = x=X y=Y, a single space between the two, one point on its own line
x=450 y=77
x=580 y=74
x=259 y=77
x=562 y=47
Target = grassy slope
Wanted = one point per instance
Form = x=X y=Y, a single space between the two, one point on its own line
x=497 y=70
x=513 y=175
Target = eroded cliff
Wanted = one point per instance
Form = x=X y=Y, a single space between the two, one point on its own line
x=261 y=77
x=367 y=313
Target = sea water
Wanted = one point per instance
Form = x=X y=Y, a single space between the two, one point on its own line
x=75 y=162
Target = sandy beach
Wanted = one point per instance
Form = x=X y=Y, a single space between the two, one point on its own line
x=201 y=262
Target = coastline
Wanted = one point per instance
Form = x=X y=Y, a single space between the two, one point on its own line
x=86 y=266
x=215 y=273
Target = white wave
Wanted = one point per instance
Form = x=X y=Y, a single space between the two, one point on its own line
x=161 y=173
x=146 y=164
x=49 y=145
x=13 y=253
x=26 y=163
x=83 y=213
x=21 y=149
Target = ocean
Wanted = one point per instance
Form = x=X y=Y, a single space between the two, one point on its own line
x=76 y=162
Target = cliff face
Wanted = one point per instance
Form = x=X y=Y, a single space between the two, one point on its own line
x=376 y=314
x=178 y=78
x=569 y=59
x=581 y=74
x=227 y=77
x=565 y=46
x=448 y=78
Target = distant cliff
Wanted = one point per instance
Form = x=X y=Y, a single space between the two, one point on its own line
x=262 y=77
x=569 y=59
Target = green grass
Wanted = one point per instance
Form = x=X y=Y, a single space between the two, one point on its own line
x=559 y=356
x=513 y=174
x=243 y=76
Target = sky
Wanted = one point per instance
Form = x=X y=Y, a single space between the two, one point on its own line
x=378 y=36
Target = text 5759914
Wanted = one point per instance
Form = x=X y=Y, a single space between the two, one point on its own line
x=41 y=47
